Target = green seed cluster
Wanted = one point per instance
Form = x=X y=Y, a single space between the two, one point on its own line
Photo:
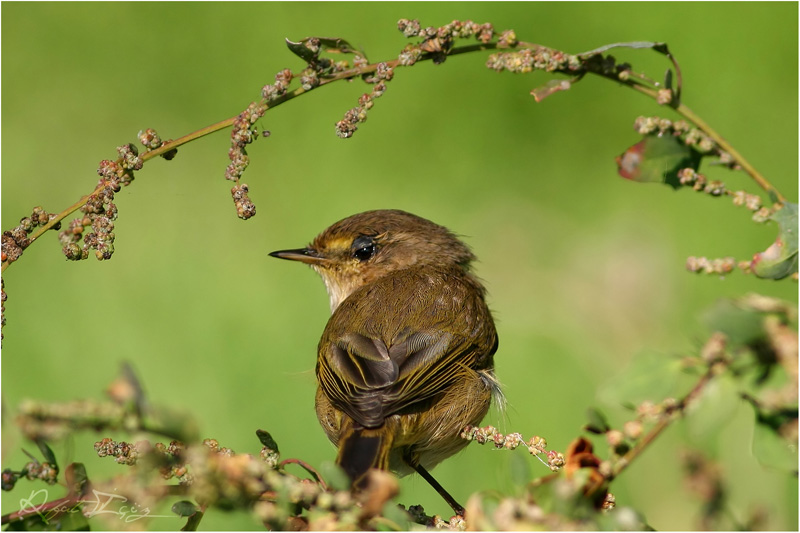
x=283 y=78
x=244 y=129
x=244 y=132
x=151 y=141
x=753 y=202
x=15 y=241
x=664 y=96
x=321 y=67
x=99 y=211
x=419 y=516
x=699 y=182
x=31 y=471
x=447 y=33
x=527 y=60
x=270 y=457
x=122 y=452
x=214 y=445
x=169 y=458
x=355 y=116
x=690 y=135
x=720 y=266
x=245 y=208
x=439 y=41
x=536 y=445
x=38 y=420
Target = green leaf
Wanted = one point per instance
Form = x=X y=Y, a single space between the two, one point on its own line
x=712 y=410
x=657 y=159
x=184 y=508
x=546 y=496
x=73 y=521
x=193 y=522
x=334 y=476
x=267 y=440
x=397 y=516
x=772 y=450
x=47 y=453
x=650 y=376
x=658 y=47
x=597 y=421
x=301 y=50
x=741 y=324
x=780 y=259
x=310 y=54
x=129 y=376
x=622 y=519
x=76 y=478
x=336 y=45
x=520 y=469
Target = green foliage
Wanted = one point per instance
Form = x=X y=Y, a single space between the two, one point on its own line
x=658 y=159
x=266 y=439
x=334 y=475
x=184 y=508
x=582 y=270
x=780 y=259
x=47 y=453
x=772 y=449
x=597 y=422
x=650 y=377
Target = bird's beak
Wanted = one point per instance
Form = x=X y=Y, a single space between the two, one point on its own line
x=304 y=255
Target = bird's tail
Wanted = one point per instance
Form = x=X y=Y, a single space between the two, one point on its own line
x=361 y=449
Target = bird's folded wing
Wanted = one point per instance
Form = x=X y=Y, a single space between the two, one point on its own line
x=370 y=381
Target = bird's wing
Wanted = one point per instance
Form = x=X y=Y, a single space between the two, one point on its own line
x=380 y=365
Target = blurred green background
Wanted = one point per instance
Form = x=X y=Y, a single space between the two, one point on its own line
x=585 y=270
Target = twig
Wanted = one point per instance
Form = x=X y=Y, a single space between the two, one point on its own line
x=308 y=468
x=691 y=116
x=716 y=137
x=636 y=81
x=667 y=418
x=227 y=123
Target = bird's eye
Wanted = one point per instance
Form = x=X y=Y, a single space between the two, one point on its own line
x=363 y=248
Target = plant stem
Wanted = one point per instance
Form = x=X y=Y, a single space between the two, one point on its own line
x=750 y=169
x=58 y=218
x=695 y=119
x=635 y=83
x=227 y=123
x=666 y=419
x=308 y=468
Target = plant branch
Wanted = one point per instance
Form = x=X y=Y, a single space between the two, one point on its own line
x=227 y=123
x=636 y=81
x=666 y=419
x=725 y=145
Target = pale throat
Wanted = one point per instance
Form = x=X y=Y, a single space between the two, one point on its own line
x=338 y=288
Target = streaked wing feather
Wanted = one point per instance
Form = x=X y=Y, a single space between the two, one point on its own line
x=371 y=373
x=363 y=361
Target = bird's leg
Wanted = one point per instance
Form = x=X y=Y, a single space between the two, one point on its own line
x=457 y=508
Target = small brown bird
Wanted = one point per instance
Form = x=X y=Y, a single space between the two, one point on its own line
x=406 y=359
